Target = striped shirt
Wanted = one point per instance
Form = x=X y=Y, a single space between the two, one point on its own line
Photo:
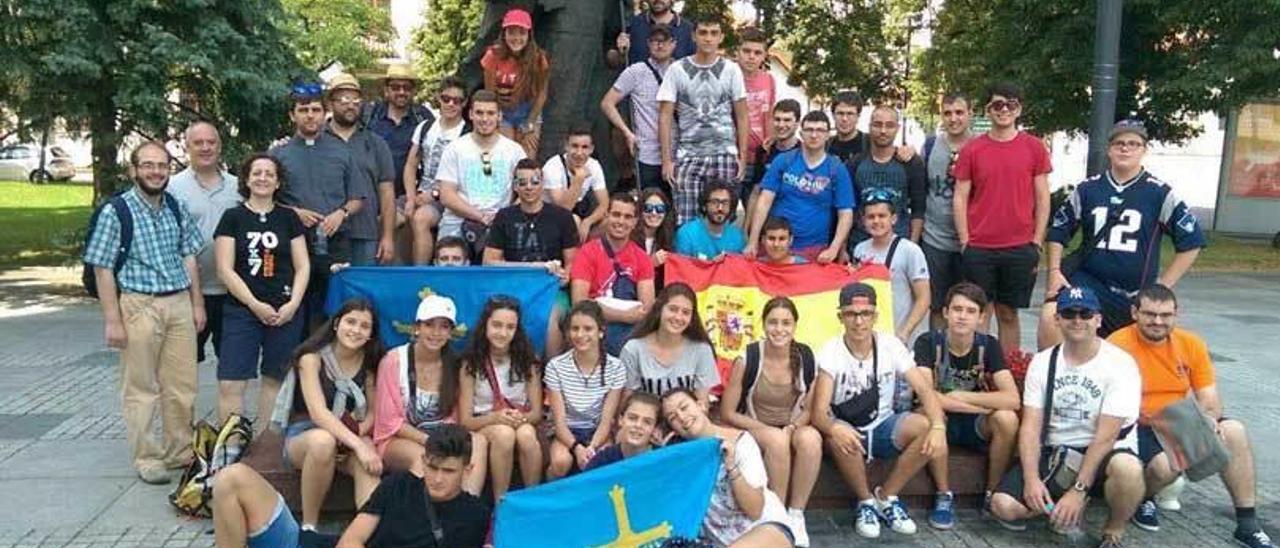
x=583 y=395
x=154 y=263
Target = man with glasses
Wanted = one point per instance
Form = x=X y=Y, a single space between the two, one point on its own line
x=395 y=117
x=322 y=185
x=882 y=170
x=859 y=374
x=429 y=141
x=1001 y=206
x=152 y=309
x=1085 y=444
x=1174 y=363
x=640 y=83
x=372 y=228
x=475 y=174
x=704 y=95
x=712 y=235
x=1135 y=208
x=811 y=190
x=939 y=243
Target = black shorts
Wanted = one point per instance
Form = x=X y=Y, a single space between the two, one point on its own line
x=1007 y=275
x=944 y=272
x=1012 y=482
x=965 y=430
x=1116 y=303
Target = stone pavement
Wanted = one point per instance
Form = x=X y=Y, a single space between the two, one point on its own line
x=65 y=478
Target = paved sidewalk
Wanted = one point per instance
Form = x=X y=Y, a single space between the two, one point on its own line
x=66 y=479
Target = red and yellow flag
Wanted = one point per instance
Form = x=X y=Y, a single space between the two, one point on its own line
x=732 y=293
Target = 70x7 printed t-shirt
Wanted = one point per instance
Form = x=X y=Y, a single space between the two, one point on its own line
x=1108 y=384
x=808 y=197
x=263 y=255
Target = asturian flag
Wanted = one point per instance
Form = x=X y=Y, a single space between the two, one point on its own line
x=396 y=291
x=637 y=502
x=732 y=293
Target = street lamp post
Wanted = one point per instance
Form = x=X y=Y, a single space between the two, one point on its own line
x=1106 y=73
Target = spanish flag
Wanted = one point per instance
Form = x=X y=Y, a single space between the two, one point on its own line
x=732 y=293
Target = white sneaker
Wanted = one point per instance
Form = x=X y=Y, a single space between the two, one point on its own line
x=1167 y=498
x=866 y=520
x=894 y=513
x=797 y=527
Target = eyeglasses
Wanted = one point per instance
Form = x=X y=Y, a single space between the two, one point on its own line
x=857 y=314
x=486 y=159
x=719 y=202
x=306 y=90
x=1163 y=316
x=656 y=209
x=1121 y=145
x=153 y=166
x=452 y=100
x=1076 y=313
x=527 y=181
x=400 y=87
x=347 y=100
x=1001 y=104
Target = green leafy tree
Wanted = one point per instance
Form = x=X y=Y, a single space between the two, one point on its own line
x=835 y=45
x=443 y=41
x=354 y=33
x=1177 y=58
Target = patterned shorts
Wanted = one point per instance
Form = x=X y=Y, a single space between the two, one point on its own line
x=692 y=174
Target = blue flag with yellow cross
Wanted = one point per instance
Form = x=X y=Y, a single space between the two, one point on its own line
x=637 y=502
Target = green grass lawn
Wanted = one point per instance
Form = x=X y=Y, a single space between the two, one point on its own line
x=41 y=225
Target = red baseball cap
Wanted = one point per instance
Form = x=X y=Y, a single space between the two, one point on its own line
x=517 y=18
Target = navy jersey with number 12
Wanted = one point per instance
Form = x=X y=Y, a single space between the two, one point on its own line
x=1128 y=257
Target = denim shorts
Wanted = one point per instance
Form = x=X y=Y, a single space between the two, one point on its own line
x=517 y=115
x=882 y=441
x=295 y=429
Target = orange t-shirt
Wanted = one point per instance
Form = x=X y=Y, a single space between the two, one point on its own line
x=1170 y=369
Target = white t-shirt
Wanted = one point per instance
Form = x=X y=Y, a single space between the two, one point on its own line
x=484 y=185
x=553 y=176
x=704 y=96
x=516 y=392
x=725 y=521
x=583 y=395
x=908 y=266
x=432 y=149
x=853 y=376
x=1108 y=384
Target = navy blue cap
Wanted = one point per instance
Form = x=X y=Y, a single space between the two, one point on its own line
x=1078 y=298
x=856 y=290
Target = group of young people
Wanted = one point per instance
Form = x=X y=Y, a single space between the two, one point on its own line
x=961 y=226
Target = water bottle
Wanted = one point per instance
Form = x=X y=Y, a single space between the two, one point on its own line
x=322 y=242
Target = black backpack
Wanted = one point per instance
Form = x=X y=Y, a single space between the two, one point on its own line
x=121 y=209
x=751 y=364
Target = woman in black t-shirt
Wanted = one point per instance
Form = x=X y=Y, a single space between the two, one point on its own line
x=261 y=254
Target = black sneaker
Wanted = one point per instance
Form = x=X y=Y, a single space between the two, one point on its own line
x=1147 y=517
x=1254 y=539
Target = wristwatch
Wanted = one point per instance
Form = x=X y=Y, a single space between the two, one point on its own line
x=1080 y=486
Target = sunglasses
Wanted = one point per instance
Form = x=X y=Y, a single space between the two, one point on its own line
x=656 y=209
x=451 y=100
x=400 y=87
x=486 y=160
x=879 y=195
x=1001 y=104
x=306 y=89
x=1075 y=313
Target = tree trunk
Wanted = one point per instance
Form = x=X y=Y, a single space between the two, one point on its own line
x=105 y=136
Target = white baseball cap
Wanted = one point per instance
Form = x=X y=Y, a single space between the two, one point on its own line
x=437 y=306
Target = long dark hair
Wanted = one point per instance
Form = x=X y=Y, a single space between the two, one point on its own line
x=793 y=349
x=523 y=357
x=592 y=310
x=664 y=237
x=695 y=331
x=326 y=333
x=449 y=373
x=531 y=60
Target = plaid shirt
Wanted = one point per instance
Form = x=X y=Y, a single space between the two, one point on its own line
x=154 y=263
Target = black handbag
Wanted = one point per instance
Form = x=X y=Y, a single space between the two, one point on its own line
x=862 y=409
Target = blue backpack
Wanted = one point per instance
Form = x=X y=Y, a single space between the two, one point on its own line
x=121 y=209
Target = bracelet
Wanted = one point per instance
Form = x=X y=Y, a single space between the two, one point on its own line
x=939 y=427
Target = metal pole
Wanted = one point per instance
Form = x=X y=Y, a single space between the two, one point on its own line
x=1106 y=73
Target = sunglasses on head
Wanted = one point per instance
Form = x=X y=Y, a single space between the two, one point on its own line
x=306 y=89
x=657 y=209
x=486 y=160
x=1001 y=104
x=877 y=196
x=1076 y=313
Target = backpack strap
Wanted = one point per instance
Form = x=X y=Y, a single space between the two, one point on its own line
x=176 y=209
x=1048 y=396
x=929 y=143
x=751 y=369
x=125 y=216
x=808 y=366
x=656 y=74
x=893 y=249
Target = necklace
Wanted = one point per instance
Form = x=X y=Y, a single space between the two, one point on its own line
x=262 y=215
x=586 y=377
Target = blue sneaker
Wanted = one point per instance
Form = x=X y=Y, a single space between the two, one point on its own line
x=943 y=515
x=893 y=512
x=1254 y=539
x=866 y=520
x=1147 y=517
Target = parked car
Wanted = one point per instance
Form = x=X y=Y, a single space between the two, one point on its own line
x=19 y=162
